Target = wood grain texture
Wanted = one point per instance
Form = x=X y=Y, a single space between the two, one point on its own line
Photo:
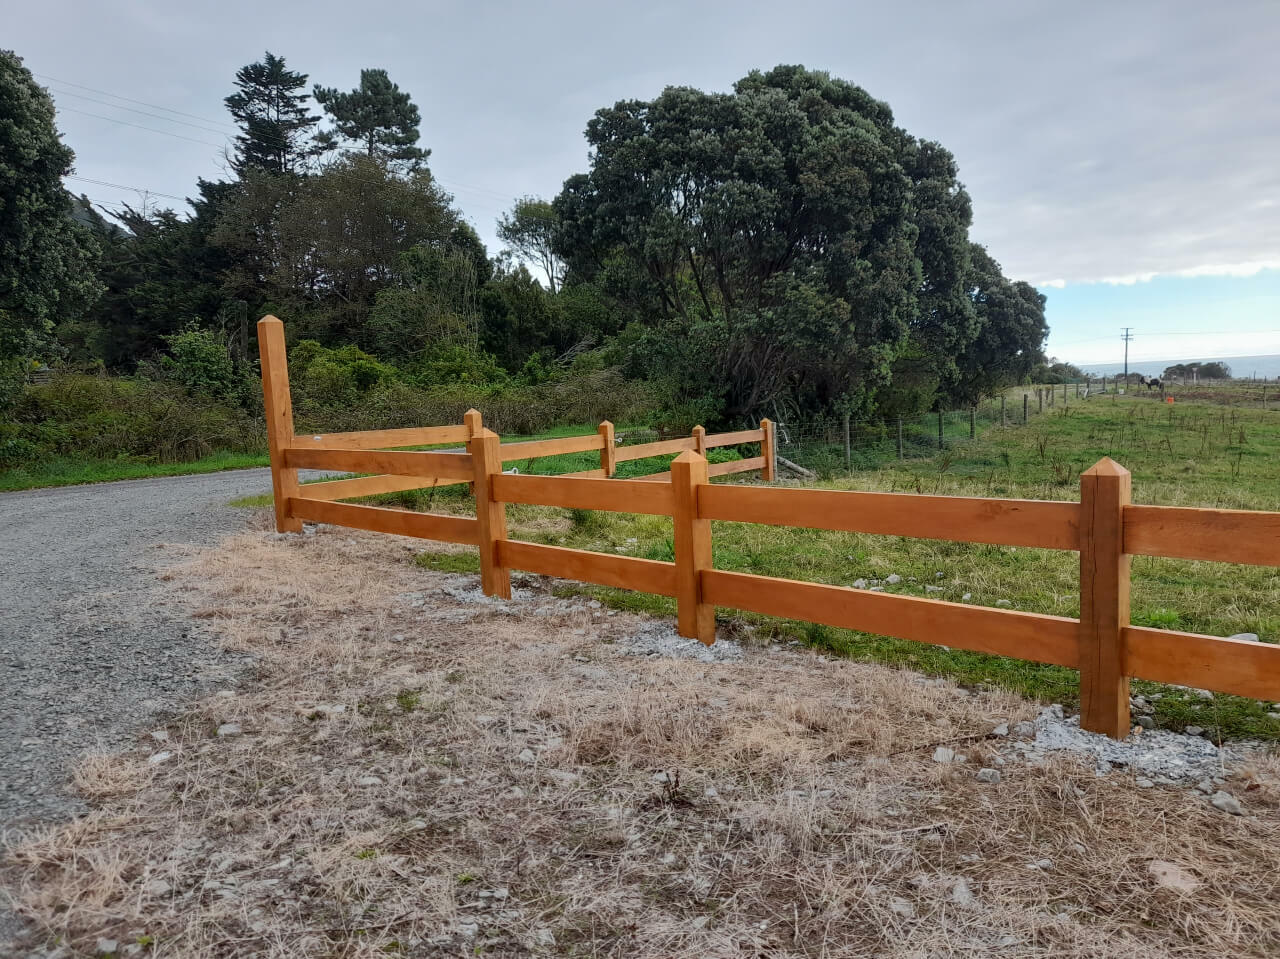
x=532 y=449
x=617 y=496
x=608 y=449
x=384 y=439
x=735 y=466
x=1220 y=535
x=604 y=569
x=1006 y=522
x=1003 y=632
x=734 y=439
x=769 y=451
x=397 y=463
x=660 y=448
x=491 y=513
x=695 y=618
x=1104 y=599
x=1208 y=662
x=278 y=409
x=368 y=486
x=379 y=519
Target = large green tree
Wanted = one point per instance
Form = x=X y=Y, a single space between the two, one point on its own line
x=47 y=261
x=779 y=241
x=276 y=127
x=529 y=233
x=378 y=116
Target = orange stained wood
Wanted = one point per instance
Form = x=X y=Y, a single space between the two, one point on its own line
x=1208 y=662
x=491 y=513
x=368 y=486
x=384 y=439
x=1222 y=535
x=735 y=466
x=587 y=473
x=769 y=451
x=279 y=415
x=695 y=618
x=624 y=572
x=660 y=448
x=734 y=439
x=473 y=422
x=1007 y=522
x=608 y=449
x=398 y=463
x=531 y=449
x=618 y=496
x=1003 y=632
x=447 y=529
x=1104 y=599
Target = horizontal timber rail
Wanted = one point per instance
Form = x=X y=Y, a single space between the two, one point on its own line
x=1104 y=527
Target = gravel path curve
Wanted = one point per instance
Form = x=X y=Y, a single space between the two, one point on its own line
x=90 y=648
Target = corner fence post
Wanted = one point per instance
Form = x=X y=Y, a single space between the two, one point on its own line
x=608 y=451
x=1105 y=490
x=695 y=619
x=769 y=450
x=699 y=435
x=473 y=421
x=486 y=456
x=279 y=413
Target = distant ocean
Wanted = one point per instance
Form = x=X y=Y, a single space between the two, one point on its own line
x=1241 y=366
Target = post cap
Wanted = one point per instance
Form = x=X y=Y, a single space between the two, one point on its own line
x=1106 y=467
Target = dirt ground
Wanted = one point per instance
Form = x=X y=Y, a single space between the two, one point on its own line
x=419 y=771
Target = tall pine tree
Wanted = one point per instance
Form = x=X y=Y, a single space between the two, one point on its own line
x=271 y=108
x=378 y=115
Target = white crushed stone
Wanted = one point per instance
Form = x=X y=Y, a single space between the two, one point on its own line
x=659 y=639
x=1158 y=754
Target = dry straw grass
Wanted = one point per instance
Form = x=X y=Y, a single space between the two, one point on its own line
x=495 y=785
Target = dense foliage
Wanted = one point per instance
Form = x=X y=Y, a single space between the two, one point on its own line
x=782 y=247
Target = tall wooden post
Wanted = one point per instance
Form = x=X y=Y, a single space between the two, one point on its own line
x=848 y=447
x=700 y=439
x=900 y=437
x=1003 y=419
x=769 y=450
x=608 y=451
x=486 y=456
x=1104 y=599
x=1024 y=409
x=279 y=411
x=940 y=440
x=1040 y=400
x=695 y=619
x=473 y=421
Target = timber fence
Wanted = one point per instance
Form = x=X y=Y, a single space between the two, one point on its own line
x=1103 y=527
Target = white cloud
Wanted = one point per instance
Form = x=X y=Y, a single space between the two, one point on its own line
x=1052 y=284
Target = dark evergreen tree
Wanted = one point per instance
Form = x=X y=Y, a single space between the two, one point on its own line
x=271 y=107
x=378 y=115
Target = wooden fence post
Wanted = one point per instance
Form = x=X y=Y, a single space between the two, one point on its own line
x=486 y=456
x=279 y=412
x=700 y=439
x=940 y=440
x=1040 y=399
x=473 y=421
x=695 y=619
x=899 y=437
x=848 y=448
x=1104 y=599
x=769 y=450
x=608 y=452
x=1024 y=409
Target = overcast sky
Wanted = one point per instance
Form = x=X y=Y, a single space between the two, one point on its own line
x=1101 y=141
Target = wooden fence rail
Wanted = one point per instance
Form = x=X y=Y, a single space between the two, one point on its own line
x=1103 y=527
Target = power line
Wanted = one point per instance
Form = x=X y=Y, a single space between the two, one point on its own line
x=121 y=186
x=116 y=96
x=154 y=116
x=139 y=126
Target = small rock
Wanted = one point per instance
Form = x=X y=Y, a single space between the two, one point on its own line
x=1204 y=694
x=1146 y=722
x=1025 y=729
x=369 y=781
x=1207 y=787
x=988 y=776
x=901 y=907
x=1226 y=802
x=933 y=589
x=877 y=589
x=859 y=584
x=1246 y=637
x=527 y=756
x=1143 y=782
x=1194 y=730
x=156 y=758
x=469 y=930
x=961 y=894
x=415 y=825
x=1001 y=730
x=1003 y=602
x=939 y=575
x=230 y=729
x=710 y=792
x=107 y=946
x=1170 y=876
x=661 y=778
x=160 y=735
x=700 y=922
x=893 y=579
x=966 y=597
x=156 y=887
x=1041 y=864
x=944 y=754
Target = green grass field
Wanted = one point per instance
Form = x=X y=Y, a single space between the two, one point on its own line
x=1185 y=454
x=67 y=471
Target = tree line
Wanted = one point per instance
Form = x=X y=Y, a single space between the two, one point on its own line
x=783 y=247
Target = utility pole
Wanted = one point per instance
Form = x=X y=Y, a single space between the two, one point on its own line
x=1126 y=336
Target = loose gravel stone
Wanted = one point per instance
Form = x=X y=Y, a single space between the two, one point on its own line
x=1226 y=802
x=660 y=639
x=988 y=776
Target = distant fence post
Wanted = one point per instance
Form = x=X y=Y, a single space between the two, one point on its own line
x=940 y=440
x=1003 y=420
x=695 y=619
x=279 y=413
x=608 y=452
x=1024 y=409
x=973 y=419
x=900 y=437
x=1040 y=399
x=848 y=449
x=700 y=439
x=486 y=456
x=769 y=450
x=1105 y=491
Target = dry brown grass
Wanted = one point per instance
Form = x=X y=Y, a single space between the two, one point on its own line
x=801 y=813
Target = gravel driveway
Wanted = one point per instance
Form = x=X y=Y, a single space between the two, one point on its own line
x=90 y=646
